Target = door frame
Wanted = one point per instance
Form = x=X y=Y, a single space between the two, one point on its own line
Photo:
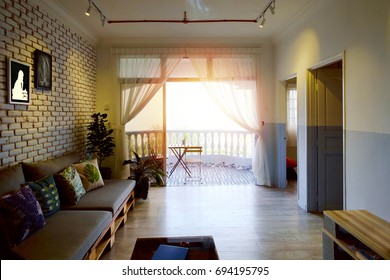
x=281 y=134
x=311 y=149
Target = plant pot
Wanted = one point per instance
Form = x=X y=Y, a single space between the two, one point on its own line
x=141 y=189
x=106 y=172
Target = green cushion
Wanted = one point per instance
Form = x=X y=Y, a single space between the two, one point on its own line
x=46 y=192
x=89 y=174
x=69 y=185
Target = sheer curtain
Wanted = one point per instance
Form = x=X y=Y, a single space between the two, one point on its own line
x=232 y=79
x=141 y=72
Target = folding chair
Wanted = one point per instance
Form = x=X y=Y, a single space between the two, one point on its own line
x=193 y=158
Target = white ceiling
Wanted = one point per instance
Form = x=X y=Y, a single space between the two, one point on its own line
x=73 y=11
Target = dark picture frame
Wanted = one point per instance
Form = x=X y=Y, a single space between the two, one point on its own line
x=42 y=70
x=19 y=82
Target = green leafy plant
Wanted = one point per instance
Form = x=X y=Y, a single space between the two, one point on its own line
x=100 y=143
x=145 y=167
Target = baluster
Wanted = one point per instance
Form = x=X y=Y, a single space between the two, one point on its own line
x=225 y=144
x=141 y=154
x=216 y=144
x=241 y=145
x=212 y=143
x=245 y=146
x=235 y=145
x=222 y=143
x=208 y=143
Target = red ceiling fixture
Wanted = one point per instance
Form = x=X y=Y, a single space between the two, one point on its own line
x=185 y=20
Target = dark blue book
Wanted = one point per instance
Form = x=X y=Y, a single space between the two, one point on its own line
x=169 y=252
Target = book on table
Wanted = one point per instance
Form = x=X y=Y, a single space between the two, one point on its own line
x=169 y=252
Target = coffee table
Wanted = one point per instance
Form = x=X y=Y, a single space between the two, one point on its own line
x=200 y=247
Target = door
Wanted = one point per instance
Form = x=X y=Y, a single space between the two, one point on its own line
x=329 y=101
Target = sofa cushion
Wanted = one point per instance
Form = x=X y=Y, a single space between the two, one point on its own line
x=22 y=214
x=89 y=174
x=36 y=171
x=11 y=178
x=109 y=198
x=69 y=185
x=46 y=192
x=67 y=235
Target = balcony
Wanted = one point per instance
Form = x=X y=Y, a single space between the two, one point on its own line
x=222 y=149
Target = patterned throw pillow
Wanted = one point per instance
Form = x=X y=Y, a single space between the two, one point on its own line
x=69 y=186
x=89 y=174
x=46 y=192
x=22 y=214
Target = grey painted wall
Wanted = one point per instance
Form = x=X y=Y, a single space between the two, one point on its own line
x=368 y=172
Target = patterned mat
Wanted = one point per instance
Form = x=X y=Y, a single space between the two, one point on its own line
x=211 y=174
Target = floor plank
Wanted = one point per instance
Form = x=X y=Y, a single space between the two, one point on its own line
x=246 y=221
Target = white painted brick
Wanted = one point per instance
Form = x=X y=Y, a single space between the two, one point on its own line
x=21 y=157
x=24 y=28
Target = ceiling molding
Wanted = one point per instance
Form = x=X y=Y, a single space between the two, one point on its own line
x=184 y=42
x=59 y=12
x=307 y=10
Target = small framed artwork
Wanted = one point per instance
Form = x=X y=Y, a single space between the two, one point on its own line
x=19 y=84
x=42 y=70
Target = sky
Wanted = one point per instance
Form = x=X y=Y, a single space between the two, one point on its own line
x=189 y=107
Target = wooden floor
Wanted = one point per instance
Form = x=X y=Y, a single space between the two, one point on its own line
x=247 y=222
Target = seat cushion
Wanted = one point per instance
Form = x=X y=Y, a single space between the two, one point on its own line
x=108 y=198
x=67 y=235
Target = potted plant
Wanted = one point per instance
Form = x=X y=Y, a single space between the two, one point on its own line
x=100 y=143
x=143 y=170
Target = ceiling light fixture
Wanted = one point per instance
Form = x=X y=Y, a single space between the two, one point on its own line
x=261 y=25
x=88 y=11
x=271 y=7
x=91 y=5
x=103 y=19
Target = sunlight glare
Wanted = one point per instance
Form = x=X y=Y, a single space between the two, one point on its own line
x=189 y=107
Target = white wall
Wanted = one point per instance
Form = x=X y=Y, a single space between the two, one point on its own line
x=361 y=28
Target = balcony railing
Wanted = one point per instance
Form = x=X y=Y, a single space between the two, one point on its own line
x=218 y=146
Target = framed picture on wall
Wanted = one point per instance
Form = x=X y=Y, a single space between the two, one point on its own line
x=19 y=85
x=42 y=70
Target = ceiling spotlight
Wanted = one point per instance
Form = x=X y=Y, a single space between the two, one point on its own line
x=262 y=22
x=88 y=11
x=272 y=9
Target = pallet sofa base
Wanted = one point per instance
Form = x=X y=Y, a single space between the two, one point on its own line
x=82 y=231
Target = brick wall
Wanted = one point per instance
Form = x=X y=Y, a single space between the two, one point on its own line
x=55 y=122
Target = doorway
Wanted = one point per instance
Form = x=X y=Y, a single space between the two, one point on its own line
x=291 y=130
x=325 y=137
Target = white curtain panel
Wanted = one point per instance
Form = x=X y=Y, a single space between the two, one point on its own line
x=231 y=77
x=141 y=72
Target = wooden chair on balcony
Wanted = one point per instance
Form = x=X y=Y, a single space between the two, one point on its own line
x=193 y=159
x=158 y=158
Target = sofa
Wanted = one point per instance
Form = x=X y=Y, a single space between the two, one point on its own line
x=83 y=229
